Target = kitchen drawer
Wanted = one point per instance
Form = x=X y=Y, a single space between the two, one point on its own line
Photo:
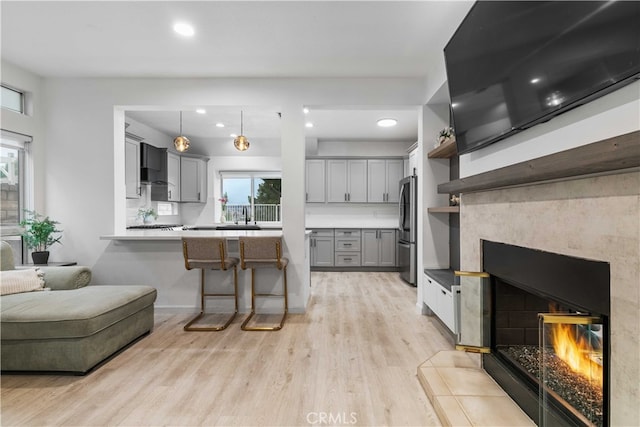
x=352 y=232
x=348 y=244
x=326 y=232
x=346 y=259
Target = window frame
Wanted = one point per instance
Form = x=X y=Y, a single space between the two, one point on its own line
x=22 y=143
x=22 y=99
x=252 y=175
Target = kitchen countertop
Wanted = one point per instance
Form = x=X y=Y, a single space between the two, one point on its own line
x=177 y=234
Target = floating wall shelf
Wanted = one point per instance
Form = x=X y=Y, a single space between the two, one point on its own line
x=445 y=150
x=444 y=209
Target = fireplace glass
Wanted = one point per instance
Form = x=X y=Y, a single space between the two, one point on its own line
x=571 y=362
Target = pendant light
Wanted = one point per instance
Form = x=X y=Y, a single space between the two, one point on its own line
x=241 y=142
x=181 y=142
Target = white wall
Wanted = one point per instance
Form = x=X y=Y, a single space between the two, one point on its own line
x=85 y=164
x=614 y=114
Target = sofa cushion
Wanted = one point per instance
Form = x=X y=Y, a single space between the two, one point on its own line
x=70 y=313
x=18 y=281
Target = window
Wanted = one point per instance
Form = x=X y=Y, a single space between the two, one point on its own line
x=256 y=195
x=12 y=99
x=14 y=183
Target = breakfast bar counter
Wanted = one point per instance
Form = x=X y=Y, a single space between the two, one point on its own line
x=154 y=257
x=178 y=234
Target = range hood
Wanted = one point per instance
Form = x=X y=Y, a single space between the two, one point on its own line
x=153 y=164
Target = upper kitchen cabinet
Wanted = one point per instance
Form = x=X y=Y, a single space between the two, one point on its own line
x=193 y=173
x=384 y=176
x=169 y=191
x=347 y=181
x=315 y=181
x=132 y=168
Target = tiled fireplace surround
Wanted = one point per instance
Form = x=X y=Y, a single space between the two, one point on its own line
x=595 y=218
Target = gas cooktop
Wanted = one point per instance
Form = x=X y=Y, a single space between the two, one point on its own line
x=154 y=227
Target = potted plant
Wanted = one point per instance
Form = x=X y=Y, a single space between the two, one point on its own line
x=445 y=135
x=147 y=215
x=39 y=235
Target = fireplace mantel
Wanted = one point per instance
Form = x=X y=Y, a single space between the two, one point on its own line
x=609 y=155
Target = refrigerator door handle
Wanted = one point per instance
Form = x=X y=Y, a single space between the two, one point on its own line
x=401 y=208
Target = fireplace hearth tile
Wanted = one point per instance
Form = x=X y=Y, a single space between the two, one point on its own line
x=452 y=359
x=493 y=411
x=469 y=382
x=463 y=394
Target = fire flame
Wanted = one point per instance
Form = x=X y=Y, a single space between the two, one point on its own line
x=575 y=352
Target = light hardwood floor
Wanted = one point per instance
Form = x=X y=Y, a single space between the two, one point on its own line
x=350 y=360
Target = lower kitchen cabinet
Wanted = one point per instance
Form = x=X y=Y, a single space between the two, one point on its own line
x=371 y=249
x=322 y=248
x=347 y=246
x=378 y=248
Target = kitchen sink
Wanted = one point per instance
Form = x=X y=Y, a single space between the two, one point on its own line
x=238 y=227
x=226 y=227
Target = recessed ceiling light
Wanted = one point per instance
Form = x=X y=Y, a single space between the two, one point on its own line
x=233 y=135
x=305 y=110
x=308 y=124
x=534 y=80
x=219 y=125
x=184 y=29
x=387 y=123
x=201 y=111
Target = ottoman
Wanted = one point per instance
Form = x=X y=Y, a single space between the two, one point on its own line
x=72 y=330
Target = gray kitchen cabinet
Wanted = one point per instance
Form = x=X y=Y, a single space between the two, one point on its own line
x=132 y=168
x=193 y=173
x=347 y=181
x=169 y=192
x=315 y=181
x=173 y=177
x=322 y=248
x=347 y=247
x=384 y=176
x=378 y=248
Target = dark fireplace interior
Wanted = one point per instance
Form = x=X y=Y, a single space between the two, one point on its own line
x=524 y=284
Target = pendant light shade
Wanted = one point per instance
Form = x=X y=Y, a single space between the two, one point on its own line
x=181 y=142
x=241 y=142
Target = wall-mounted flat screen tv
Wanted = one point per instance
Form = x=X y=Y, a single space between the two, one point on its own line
x=513 y=64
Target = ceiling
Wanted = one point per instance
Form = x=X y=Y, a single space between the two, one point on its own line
x=328 y=39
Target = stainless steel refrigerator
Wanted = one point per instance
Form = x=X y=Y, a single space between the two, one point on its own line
x=408 y=230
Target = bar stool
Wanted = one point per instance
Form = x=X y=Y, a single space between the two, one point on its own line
x=209 y=253
x=263 y=252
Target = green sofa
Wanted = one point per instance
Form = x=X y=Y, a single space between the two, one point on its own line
x=68 y=327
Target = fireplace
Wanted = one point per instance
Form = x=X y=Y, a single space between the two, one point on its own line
x=533 y=296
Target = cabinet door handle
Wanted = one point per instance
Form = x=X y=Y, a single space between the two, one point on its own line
x=169 y=194
x=443 y=292
x=347 y=259
x=346 y=244
x=306 y=197
x=198 y=196
x=139 y=191
x=345 y=197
